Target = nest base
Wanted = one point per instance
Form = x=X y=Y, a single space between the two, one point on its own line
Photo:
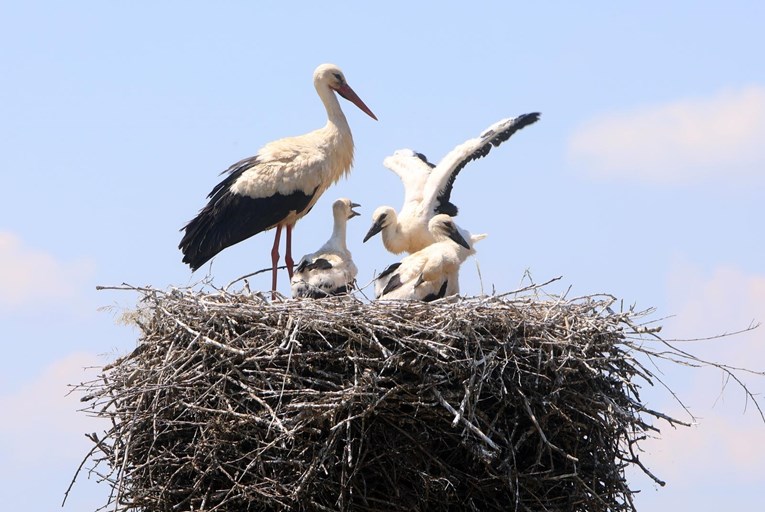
x=230 y=402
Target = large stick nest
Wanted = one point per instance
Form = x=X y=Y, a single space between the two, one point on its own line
x=234 y=403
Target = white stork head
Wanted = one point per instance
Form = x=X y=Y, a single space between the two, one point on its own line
x=330 y=76
x=382 y=217
x=443 y=227
x=343 y=209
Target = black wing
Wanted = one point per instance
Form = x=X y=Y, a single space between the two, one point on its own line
x=317 y=264
x=229 y=218
x=451 y=165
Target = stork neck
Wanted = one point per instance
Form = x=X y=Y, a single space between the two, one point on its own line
x=338 y=233
x=392 y=234
x=335 y=115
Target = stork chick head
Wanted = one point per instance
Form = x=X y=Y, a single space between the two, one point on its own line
x=343 y=209
x=382 y=217
x=443 y=227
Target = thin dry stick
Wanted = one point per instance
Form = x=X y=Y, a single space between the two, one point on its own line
x=242 y=278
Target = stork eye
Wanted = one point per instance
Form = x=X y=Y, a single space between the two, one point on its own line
x=339 y=77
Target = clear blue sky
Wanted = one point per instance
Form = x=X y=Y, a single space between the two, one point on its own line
x=643 y=179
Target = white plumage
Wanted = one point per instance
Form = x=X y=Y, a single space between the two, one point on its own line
x=279 y=185
x=330 y=270
x=428 y=187
x=428 y=274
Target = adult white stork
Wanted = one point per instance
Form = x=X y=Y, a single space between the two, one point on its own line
x=428 y=274
x=279 y=185
x=330 y=270
x=428 y=187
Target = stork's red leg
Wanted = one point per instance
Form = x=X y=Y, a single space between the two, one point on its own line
x=275 y=257
x=288 y=258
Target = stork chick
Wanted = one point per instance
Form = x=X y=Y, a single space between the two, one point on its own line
x=330 y=270
x=429 y=273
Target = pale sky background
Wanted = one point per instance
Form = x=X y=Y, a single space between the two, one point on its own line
x=644 y=179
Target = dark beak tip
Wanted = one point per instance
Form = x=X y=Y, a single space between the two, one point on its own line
x=376 y=228
x=459 y=239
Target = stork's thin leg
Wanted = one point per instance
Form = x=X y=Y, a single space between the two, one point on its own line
x=288 y=258
x=275 y=259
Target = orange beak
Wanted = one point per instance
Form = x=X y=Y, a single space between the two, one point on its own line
x=346 y=92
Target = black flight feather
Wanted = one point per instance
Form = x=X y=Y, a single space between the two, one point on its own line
x=439 y=295
x=389 y=270
x=393 y=283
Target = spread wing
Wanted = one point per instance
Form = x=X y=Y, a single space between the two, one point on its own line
x=438 y=188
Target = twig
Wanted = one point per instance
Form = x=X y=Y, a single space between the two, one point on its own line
x=261 y=271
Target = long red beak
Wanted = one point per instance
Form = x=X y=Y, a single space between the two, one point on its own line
x=346 y=92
